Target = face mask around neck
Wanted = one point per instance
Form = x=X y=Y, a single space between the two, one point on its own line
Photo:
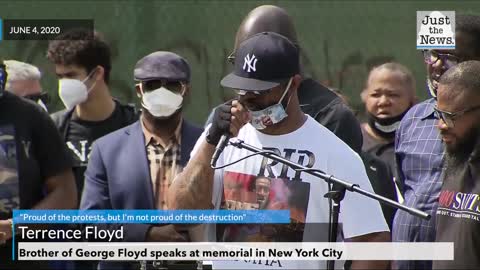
x=272 y=114
x=385 y=127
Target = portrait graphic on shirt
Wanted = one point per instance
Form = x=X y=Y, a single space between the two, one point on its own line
x=242 y=185
x=9 y=187
x=250 y=192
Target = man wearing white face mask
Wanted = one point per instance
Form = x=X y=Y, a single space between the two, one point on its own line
x=82 y=64
x=268 y=116
x=134 y=166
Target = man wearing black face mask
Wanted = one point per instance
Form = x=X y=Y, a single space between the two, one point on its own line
x=135 y=165
x=388 y=94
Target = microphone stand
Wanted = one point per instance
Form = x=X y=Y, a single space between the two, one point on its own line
x=337 y=193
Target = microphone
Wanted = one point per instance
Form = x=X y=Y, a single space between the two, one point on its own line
x=222 y=143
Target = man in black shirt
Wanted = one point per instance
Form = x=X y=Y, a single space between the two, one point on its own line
x=458 y=213
x=82 y=63
x=35 y=168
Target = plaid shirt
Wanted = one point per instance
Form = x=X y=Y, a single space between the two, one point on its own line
x=419 y=154
x=164 y=162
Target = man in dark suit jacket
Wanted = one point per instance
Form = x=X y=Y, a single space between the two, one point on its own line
x=133 y=167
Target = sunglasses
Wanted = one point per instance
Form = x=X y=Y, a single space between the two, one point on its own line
x=43 y=96
x=449 y=117
x=175 y=87
x=449 y=60
x=257 y=93
x=264 y=92
x=231 y=58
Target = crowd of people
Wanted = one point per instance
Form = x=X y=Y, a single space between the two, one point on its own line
x=99 y=153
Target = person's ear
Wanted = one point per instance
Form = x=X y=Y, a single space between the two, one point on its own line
x=138 y=90
x=296 y=81
x=414 y=100
x=363 y=95
x=99 y=73
x=188 y=87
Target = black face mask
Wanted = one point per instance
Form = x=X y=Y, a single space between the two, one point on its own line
x=385 y=127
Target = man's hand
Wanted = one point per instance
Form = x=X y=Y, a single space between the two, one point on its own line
x=166 y=233
x=61 y=192
x=240 y=117
x=192 y=188
x=5 y=230
x=229 y=117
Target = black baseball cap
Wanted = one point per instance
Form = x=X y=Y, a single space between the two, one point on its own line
x=263 y=61
x=162 y=65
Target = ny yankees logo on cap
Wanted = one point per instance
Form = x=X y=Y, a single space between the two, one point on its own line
x=248 y=63
x=279 y=61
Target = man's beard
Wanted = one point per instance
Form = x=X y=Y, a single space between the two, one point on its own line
x=458 y=155
x=163 y=122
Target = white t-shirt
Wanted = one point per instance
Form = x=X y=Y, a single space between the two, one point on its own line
x=244 y=186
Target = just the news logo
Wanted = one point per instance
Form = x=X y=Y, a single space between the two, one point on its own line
x=435 y=30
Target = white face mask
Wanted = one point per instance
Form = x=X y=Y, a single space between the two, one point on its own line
x=270 y=115
x=73 y=92
x=162 y=102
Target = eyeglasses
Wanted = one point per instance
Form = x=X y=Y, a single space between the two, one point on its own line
x=231 y=58
x=258 y=93
x=449 y=117
x=175 y=87
x=264 y=92
x=449 y=60
x=43 y=96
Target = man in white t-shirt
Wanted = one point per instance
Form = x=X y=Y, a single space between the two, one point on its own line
x=267 y=115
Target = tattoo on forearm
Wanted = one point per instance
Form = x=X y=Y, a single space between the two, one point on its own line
x=199 y=185
x=193 y=187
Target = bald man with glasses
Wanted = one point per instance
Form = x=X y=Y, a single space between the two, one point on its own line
x=419 y=150
x=458 y=104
